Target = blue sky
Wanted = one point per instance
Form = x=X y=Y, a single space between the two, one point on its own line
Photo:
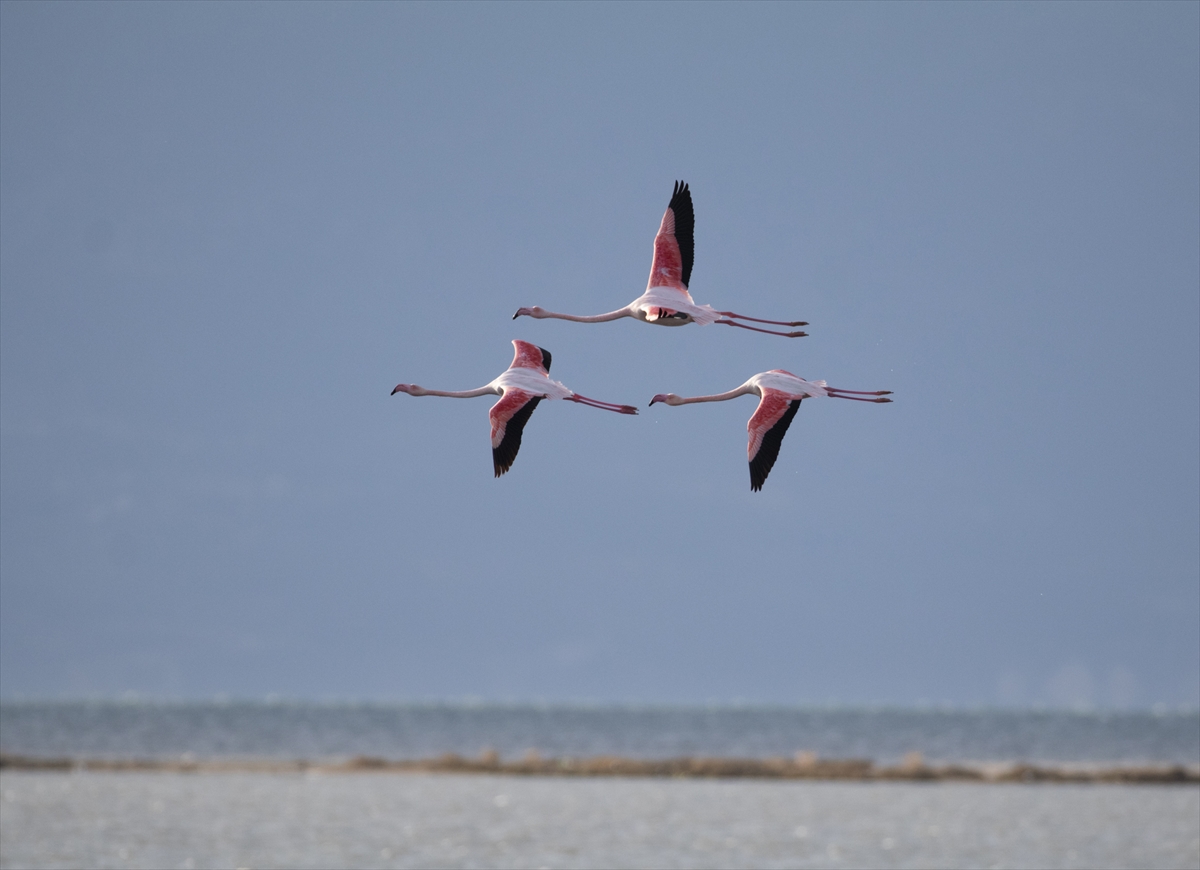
x=227 y=231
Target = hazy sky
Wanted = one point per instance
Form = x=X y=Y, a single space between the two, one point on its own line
x=228 y=230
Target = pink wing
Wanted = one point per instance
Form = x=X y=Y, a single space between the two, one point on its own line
x=674 y=246
x=767 y=428
x=530 y=356
x=509 y=417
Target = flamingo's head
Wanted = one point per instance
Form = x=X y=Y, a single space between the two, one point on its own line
x=411 y=389
x=535 y=311
x=666 y=398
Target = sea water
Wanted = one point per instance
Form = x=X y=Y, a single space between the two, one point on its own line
x=408 y=731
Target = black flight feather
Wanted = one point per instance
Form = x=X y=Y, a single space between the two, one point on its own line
x=768 y=451
x=685 y=228
x=545 y=358
x=504 y=455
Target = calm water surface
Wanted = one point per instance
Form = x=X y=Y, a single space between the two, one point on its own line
x=311 y=731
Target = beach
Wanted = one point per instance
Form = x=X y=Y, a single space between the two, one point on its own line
x=164 y=819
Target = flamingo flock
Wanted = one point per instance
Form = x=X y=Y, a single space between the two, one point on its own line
x=666 y=302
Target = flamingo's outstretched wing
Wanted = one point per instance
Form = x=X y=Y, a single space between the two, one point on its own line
x=767 y=428
x=674 y=246
x=530 y=356
x=509 y=417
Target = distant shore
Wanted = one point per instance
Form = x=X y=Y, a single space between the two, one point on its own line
x=802 y=767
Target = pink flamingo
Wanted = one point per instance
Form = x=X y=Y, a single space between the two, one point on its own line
x=780 y=394
x=667 y=301
x=525 y=383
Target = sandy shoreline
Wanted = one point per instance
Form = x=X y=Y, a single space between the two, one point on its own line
x=802 y=767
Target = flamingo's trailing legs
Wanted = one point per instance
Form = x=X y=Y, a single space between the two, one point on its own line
x=780 y=394
x=667 y=301
x=525 y=383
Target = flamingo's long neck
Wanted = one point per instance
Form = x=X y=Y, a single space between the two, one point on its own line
x=458 y=394
x=587 y=318
x=744 y=389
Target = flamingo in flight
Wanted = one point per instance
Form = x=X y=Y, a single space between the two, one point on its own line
x=667 y=301
x=521 y=386
x=780 y=394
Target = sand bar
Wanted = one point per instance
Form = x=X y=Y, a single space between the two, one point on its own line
x=803 y=766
